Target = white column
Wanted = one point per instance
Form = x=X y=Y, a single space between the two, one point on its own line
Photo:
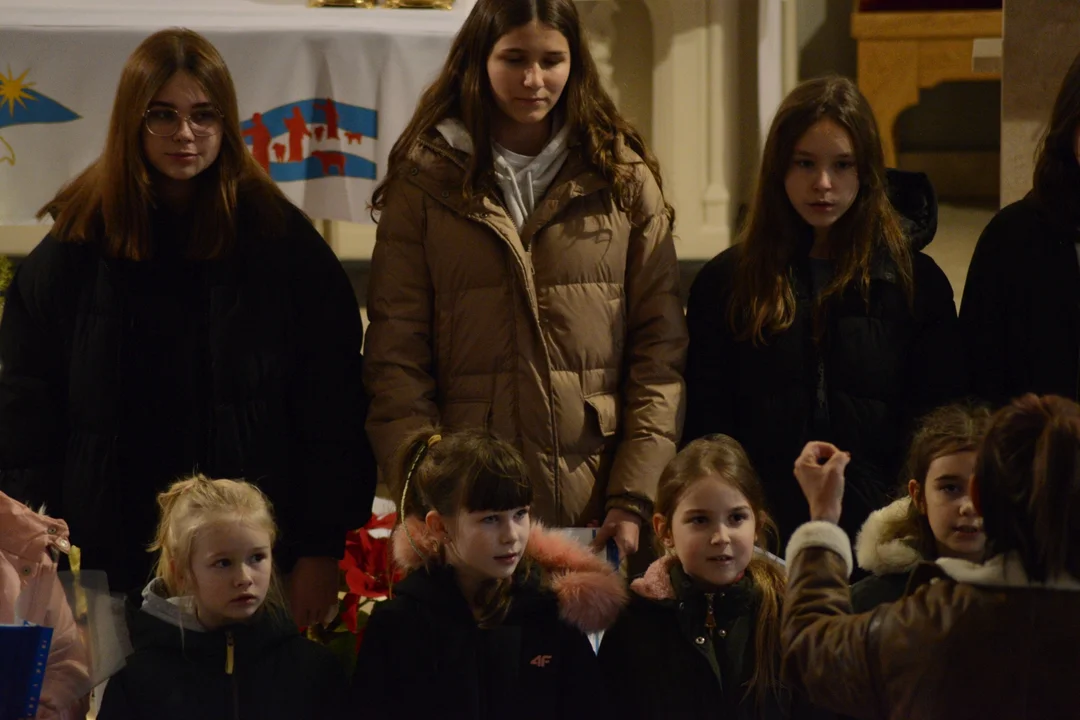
x=598 y=18
x=694 y=102
x=770 y=70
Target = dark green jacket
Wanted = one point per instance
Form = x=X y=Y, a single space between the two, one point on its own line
x=661 y=661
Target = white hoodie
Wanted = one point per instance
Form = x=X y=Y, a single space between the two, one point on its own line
x=523 y=180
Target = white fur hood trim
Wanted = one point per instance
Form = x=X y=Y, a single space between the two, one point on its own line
x=881 y=554
x=818 y=533
x=1005 y=571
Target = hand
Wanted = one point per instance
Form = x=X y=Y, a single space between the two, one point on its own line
x=313 y=590
x=820 y=472
x=624 y=526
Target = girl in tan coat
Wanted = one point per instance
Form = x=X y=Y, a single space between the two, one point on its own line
x=524 y=277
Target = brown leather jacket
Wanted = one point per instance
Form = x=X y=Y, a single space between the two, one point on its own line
x=567 y=339
x=969 y=641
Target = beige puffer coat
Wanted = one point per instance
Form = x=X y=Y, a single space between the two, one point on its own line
x=567 y=338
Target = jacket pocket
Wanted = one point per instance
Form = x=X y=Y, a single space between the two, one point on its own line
x=465 y=414
x=606 y=408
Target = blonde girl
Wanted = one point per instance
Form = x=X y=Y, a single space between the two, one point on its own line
x=212 y=638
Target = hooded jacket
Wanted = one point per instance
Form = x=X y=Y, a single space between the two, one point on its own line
x=522 y=188
x=969 y=642
x=879 y=366
x=661 y=661
x=889 y=558
x=566 y=337
x=262 y=670
x=30 y=545
x=423 y=653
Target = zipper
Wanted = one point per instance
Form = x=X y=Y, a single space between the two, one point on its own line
x=822 y=389
x=528 y=275
x=230 y=667
x=230 y=653
x=710 y=616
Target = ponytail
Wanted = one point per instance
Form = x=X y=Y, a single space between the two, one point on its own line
x=412 y=503
x=1028 y=473
x=1055 y=482
x=770 y=581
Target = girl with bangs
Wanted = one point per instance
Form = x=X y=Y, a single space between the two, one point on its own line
x=182 y=314
x=491 y=618
x=827 y=319
x=524 y=278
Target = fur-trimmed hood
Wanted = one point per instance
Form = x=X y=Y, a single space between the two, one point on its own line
x=878 y=549
x=590 y=592
x=656 y=583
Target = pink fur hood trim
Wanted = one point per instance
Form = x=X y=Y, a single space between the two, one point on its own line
x=591 y=593
x=655 y=584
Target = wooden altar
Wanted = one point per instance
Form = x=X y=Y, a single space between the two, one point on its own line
x=901 y=53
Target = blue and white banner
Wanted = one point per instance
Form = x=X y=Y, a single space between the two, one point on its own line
x=323 y=92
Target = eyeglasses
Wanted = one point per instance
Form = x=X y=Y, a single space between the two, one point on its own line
x=165 y=122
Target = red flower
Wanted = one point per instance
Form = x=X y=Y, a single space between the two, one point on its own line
x=367 y=563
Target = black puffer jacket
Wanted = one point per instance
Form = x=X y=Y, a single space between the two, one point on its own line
x=423 y=654
x=117 y=377
x=179 y=673
x=1021 y=310
x=877 y=369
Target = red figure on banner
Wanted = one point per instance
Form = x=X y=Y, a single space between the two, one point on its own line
x=298 y=130
x=330 y=160
x=260 y=141
x=279 y=151
x=329 y=108
x=319 y=132
x=352 y=137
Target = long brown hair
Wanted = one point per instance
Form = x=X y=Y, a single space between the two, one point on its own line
x=723 y=456
x=1028 y=475
x=470 y=471
x=763 y=297
x=463 y=91
x=948 y=430
x=110 y=201
x=1057 y=171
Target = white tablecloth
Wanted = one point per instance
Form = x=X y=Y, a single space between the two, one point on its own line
x=286 y=60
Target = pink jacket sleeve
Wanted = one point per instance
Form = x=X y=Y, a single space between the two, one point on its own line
x=64 y=695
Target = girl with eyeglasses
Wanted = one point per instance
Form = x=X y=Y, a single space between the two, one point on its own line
x=183 y=315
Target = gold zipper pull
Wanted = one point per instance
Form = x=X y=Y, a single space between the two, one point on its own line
x=710 y=617
x=230 y=648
